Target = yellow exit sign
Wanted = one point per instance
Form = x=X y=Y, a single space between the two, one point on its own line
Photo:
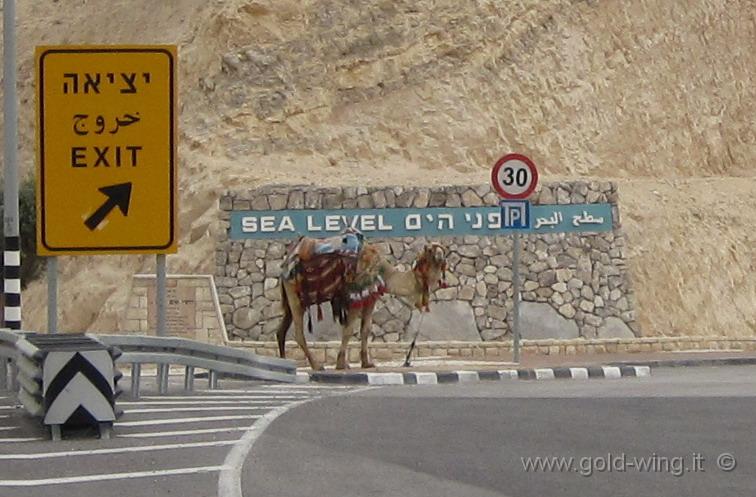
x=106 y=156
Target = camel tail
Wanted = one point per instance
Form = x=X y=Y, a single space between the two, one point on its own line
x=283 y=328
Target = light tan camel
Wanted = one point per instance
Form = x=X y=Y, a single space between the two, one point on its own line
x=427 y=274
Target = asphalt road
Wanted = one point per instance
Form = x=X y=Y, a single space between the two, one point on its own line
x=661 y=436
x=463 y=439
x=164 y=445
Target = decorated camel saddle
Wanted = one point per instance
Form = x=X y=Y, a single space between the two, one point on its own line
x=343 y=270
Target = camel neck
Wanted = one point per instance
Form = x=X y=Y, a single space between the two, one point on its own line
x=402 y=283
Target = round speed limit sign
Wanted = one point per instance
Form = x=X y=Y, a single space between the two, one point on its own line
x=514 y=176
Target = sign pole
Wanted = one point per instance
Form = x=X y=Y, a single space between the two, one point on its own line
x=515 y=178
x=12 y=255
x=516 y=295
x=52 y=295
x=160 y=259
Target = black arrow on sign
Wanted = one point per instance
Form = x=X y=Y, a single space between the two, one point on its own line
x=118 y=196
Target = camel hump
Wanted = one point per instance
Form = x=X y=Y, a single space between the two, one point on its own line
x=349 y=242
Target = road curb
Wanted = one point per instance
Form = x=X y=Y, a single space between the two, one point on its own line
x=463 y=376
x=681 y=363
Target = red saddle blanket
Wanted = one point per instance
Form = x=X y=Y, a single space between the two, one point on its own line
x=334 y=270
x=323 y=277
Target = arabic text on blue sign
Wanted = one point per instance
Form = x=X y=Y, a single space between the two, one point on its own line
x=413 y=222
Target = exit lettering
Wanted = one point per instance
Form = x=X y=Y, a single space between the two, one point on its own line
x=108 y=156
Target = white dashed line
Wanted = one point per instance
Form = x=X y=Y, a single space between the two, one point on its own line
x=152 y=422
x=118 y=450
x=181 y=433
x=110 y=476
x=193 y=409
x=225 y=397
x=194 y=403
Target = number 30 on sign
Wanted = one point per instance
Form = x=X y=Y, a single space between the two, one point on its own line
x=514 y=176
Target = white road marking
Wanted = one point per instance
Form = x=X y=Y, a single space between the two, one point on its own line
x=22 y=439
x=151 y=422
x=229 y=480
x=6 y=428
x=182 y=432
x=194 y=403
x=3 y=416
x=118 y=450
x=191 y=409
x=224 y=397
x=285 y=388
x=109 y=476
x=8 y=408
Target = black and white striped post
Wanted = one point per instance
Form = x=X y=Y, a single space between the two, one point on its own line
x=12 y=254
x=12 y=280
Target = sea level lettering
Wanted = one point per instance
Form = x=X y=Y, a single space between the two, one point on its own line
x=328 y=223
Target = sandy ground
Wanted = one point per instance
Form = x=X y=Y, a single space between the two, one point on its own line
x=657 y=95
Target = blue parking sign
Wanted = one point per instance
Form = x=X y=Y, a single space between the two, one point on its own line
x=515 y=214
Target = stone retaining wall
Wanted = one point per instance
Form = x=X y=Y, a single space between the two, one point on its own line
x=574 y=285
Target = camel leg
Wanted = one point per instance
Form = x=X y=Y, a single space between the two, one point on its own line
x=296 y=315
x=365 y=325
x=342 y=361
x=302 y=342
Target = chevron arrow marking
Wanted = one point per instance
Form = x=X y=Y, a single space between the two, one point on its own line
x=80 y=392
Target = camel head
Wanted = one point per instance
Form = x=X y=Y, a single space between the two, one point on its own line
x=430 y=271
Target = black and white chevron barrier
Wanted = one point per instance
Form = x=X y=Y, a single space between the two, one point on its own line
x=68 y=380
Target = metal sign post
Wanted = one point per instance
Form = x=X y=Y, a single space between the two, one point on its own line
x=515 y=177
x=160 y=297
x=52 y=295
x=516 y=296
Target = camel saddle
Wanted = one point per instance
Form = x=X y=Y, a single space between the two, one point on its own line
x=321 y=267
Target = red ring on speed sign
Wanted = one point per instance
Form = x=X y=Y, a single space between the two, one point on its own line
x=502 y=188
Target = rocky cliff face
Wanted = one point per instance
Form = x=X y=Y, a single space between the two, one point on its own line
x=656 y=95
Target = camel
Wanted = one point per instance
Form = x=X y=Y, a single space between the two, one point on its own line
x=428 y=273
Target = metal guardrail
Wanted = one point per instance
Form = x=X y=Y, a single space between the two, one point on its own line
x=217 y=360
x=9 y=359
